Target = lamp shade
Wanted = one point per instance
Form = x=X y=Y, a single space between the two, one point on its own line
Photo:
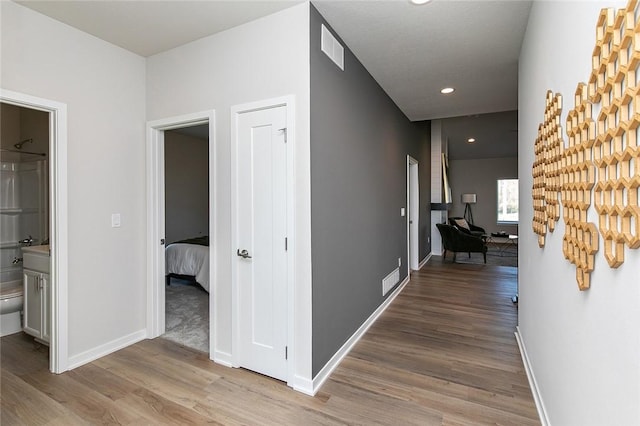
x=469 y=198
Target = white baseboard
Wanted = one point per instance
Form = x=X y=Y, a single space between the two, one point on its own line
x=424 y=261
x=331 y=365
x=533 y=384
x=106 y=349
x=223 y=358
x=303 y=384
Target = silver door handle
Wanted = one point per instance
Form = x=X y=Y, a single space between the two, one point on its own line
x=244 y=254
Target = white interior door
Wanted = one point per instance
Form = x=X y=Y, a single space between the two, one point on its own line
x=414 y=215
x=260 y=256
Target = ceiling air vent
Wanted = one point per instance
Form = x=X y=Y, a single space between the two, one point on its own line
x=332 y=48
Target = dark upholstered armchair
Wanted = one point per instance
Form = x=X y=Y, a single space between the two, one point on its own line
x=461 y=224
x=455 y=241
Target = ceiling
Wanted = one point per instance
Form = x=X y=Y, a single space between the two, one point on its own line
x=495 y=134
x=412 y=51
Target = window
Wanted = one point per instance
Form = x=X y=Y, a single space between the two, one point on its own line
x=507 y=200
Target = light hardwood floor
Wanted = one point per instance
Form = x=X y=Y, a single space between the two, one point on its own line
x=443 y=353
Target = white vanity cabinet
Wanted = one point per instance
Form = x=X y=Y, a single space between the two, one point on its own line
x=37 y=292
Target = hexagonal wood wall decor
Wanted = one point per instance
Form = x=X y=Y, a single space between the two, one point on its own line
x=539 y=209
x=614 y=88
x=547 y=168
x=603 y=156
x=580 y=241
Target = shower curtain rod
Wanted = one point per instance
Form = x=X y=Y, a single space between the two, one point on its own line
x=23 y=152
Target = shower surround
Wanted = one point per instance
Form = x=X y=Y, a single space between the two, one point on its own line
x=23 y=218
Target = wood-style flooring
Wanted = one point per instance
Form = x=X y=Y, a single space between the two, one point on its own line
x=443 y=353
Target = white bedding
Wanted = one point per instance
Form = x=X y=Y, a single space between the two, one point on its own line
x=189 y=259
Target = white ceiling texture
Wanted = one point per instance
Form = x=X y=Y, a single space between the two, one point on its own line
x=412 y=51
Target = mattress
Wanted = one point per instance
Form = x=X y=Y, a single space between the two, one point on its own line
x=188 y=259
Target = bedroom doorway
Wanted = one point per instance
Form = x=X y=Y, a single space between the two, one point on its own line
x=186 y=188
x=180 y=205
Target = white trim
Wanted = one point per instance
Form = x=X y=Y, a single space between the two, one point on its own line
x=533 y=384
x=58 y=225
x=335 y=360
x=223 y=358
x=411 y=161
x=289 y=103
x=106 y=349
x=156 y=223
x=424 y=261
x=303 y=385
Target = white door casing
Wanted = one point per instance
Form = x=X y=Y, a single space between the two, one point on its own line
x=156 y=214
x=413 y=202
x=260 y=225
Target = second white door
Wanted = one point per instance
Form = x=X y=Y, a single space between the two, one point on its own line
x=261 y=225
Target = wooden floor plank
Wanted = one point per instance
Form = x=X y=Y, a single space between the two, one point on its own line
x=443 y=353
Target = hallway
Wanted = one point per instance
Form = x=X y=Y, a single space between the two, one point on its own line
x=444 y=353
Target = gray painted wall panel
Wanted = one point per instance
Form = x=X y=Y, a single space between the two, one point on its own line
x=186 y=186
x=480 y=177
x=359 y=146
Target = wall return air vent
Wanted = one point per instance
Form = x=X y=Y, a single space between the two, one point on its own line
x=332 y=48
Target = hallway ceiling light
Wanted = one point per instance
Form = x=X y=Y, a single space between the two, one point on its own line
x=471 y=140
x=420 y=2
x=447 y=90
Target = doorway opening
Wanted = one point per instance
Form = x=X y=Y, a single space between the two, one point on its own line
x=181 y=230
x=37 y=207
x=187 y=235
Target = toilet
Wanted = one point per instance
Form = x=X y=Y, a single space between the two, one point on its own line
x=11 y=301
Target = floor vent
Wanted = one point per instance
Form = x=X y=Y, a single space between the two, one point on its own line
x=390 y=280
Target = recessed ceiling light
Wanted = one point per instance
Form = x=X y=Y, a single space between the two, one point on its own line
x=471 y=140
x=447 y=90
x=419 y=2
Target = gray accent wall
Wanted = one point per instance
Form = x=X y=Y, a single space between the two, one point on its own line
x=480 y=177
x=359 y=146
x=186 y=186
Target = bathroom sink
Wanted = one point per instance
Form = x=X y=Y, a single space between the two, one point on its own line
x=45 y=249
x=36 y=258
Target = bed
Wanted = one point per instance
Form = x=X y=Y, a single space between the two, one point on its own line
x=189 y=258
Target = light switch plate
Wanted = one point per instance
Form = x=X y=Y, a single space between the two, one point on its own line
x=402 y=212
x=115 y=220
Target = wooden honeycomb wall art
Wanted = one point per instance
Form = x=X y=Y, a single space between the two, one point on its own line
x=614 y=90
x=547 y=169
x=580 y=240
x=603 y=156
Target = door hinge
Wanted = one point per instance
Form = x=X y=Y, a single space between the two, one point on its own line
x=286 y=352
x=286 y=244
x=284 y=129
x=161 y=241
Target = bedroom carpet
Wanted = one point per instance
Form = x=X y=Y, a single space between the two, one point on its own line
x=187 y=314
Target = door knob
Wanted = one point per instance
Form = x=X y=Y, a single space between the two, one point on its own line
x=244 y=254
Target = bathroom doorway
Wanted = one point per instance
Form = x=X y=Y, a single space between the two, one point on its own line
x=33 y=218
x=24 y=216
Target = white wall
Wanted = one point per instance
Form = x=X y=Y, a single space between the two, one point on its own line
x=104 y=89
x=584 y=347
x=263 y=59
x=186 y=186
